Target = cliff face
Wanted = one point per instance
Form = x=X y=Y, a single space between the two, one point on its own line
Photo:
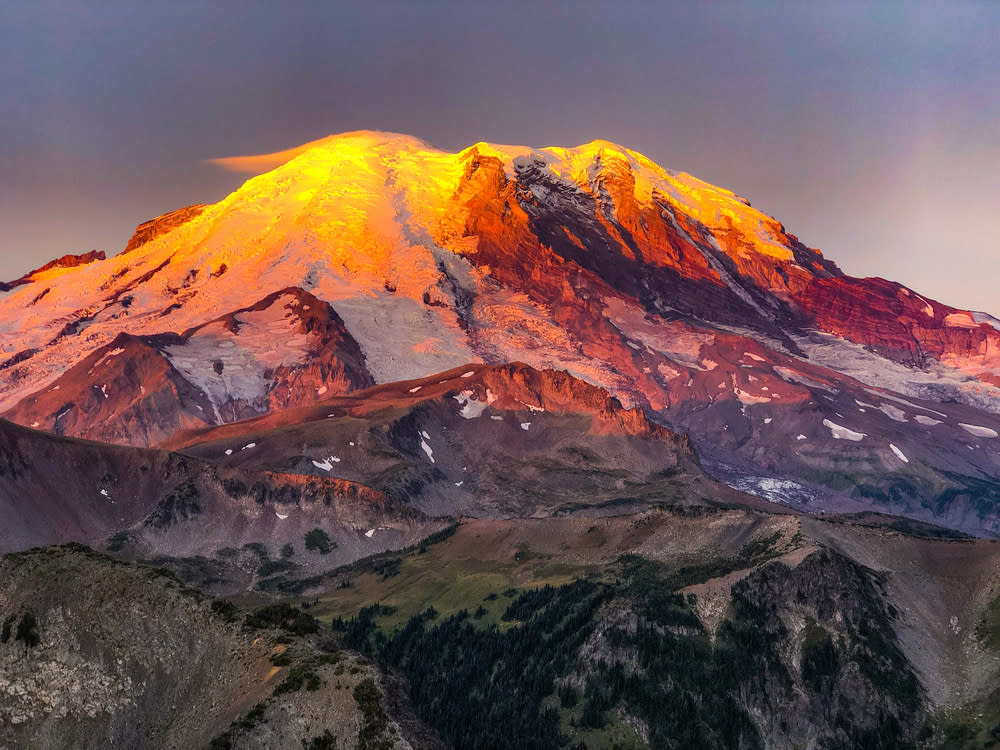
x=903 y=326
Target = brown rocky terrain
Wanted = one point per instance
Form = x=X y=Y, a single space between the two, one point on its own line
x=141 y=502
x=97 y=653
x=479 y=440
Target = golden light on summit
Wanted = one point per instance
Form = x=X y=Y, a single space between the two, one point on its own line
x=356 y=145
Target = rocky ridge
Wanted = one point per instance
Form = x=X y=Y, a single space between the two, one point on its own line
x=125 y=656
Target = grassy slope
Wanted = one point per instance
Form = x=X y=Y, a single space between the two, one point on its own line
x=487 y=560
x=487 y=557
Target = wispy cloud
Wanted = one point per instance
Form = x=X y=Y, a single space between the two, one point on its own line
x=260 y=163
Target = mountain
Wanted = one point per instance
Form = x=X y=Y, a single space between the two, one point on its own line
x=510 y=447
x=793 y=380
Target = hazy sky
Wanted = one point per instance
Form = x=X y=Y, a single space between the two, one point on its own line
x=872 y=130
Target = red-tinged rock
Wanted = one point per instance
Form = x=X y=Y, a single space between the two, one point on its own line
x=126 y=392
x=900 y=324
x=149 y=230
x=139 y=390
x=66 y=261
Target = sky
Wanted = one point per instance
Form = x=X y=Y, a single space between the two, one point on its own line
x=871 y=130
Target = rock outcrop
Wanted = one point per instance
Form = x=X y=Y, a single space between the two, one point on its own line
x=149 y=230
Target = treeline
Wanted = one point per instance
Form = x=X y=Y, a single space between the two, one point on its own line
x=485 y=688
x=532 y=685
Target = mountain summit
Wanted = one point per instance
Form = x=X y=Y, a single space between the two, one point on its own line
x=369 y=258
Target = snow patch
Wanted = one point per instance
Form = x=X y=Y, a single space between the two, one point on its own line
x=370 y=533
x=427 y=449
x=894 y=413
x=899 y=453
x=105 y=493
x=248 y=445
x=978 y=431
x=768 y=420
x=801 y=437
x=281 y=516
x=468 y=374
x=525 y=425
x=229 y=451
x=327 y=463
x=470 y=408
x=960 y=320
x=903 y=401
x=783 y=491
x=843 y=433
x=748 y=399
x=793 y=376
x=981 y=317
x=113 y=353
x=415 y=389
x=927 y=421
x=321 y=390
